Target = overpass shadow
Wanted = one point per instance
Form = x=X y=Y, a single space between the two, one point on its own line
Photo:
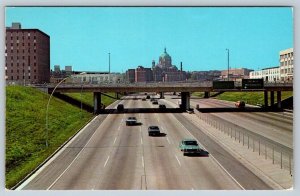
x=220 y=110
x=200 y=154
x=141 y=110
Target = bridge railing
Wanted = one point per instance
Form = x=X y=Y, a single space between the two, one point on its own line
x=207 y=84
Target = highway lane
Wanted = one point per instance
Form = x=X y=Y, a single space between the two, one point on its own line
x=277 y=127
x=120 y=157
x=169 y=169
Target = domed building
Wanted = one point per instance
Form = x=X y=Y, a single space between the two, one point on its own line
x=165 y=60
x=165 y=71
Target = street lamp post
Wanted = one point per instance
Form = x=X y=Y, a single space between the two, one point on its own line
x=227 y=64
x=47 y=129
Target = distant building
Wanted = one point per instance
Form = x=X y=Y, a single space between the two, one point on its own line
x=205 y=75
x=282 y=73
x=271 y=74
x=165 y=71
x=130 y=75
x=236 y=74
x=59 y=74
x=143 y=74
x=286 y=58
x=97 y=78
x=27 y=55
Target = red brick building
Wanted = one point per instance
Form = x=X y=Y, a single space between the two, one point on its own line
x=27 y=55
x=143 y=74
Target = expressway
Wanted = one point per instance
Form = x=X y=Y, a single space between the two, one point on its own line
x=275 y=126
x=108 y=155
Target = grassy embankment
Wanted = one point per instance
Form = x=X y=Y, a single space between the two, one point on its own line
x=87 y=98
x=252 y=98
x=25 y=128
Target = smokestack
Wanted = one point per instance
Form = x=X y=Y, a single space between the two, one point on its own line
x=181 y=66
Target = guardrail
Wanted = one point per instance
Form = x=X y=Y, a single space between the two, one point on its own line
x=278 y=153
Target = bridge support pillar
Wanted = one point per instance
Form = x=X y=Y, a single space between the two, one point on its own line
x=272 y=98
x=279 y=99
x=266 y=98
x=162 y=96
x=97 y=102
x=185 y=100
x=206 y=94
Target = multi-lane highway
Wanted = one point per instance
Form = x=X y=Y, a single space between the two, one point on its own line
x=108 y=155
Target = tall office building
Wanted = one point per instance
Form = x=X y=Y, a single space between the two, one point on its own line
x=27 y=55
x=286 y=58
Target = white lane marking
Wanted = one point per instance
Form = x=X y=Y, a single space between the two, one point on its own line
x=143 y=162
x=168 y=140
x=178 y=160
x=71 y=162
x=141 y=140
x=213 y=157
x=54 y=157
x=115 y=140
x=106 y=161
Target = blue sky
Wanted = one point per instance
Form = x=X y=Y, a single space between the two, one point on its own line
x=197 y=36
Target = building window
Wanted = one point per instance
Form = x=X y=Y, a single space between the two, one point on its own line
x=12 y=78
x=34 y=77
x=35 y=71
x=17 y=77
x=12 y=71
x=17 y=71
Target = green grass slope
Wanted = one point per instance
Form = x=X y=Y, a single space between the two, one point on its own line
x=87 y=98
x=25 y=129
x=251 y=98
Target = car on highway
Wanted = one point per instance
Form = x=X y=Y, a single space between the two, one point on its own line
x=120 y=107
x=155 y=102
x=143 y=99
x=131 y=121
x=162 y=106
x=153 y=130
x=148 y=97
x=190 y=146
x=240 y=104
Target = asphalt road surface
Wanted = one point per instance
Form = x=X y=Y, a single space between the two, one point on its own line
x=108 y=155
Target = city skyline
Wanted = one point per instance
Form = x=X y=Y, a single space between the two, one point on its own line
x=83 y=36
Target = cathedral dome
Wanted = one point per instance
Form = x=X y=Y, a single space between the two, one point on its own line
x=165 y=55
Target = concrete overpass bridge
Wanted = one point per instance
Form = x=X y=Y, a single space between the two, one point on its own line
x=185 y=88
